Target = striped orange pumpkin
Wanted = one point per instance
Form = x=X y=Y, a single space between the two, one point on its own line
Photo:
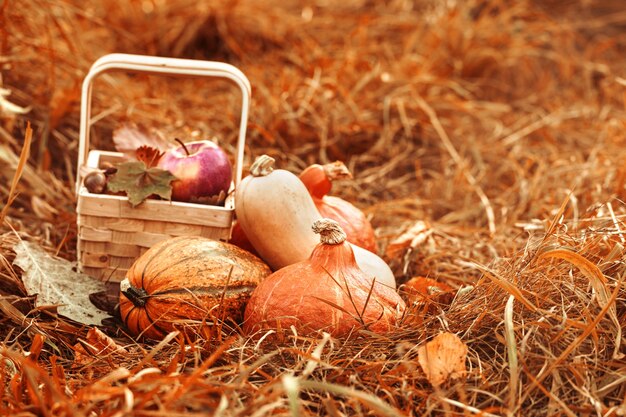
x=183 y=282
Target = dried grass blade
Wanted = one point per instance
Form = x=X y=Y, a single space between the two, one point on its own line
x=588 y=330
x=316 y=355
x=506 y=286
x=511 y=347
x=598 y=282
x=243 y=375
x=166 y=340
x=338 y=307
x=374 y=402
x=18 y=171
x=197 y=373
x=555 y=220
x=346 y=290
x=369 y=295
x=291 y=386
x=434 y=120
x=467 y=408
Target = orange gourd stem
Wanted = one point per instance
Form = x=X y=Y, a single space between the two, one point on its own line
x=318 y=179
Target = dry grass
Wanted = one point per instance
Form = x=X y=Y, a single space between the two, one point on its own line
x=499 y=123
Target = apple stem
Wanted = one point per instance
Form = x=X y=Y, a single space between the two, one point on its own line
x=183 y=145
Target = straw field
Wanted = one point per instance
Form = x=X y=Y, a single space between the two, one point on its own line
x=487 y=141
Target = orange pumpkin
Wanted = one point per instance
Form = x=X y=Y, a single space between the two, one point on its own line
x=185 y=281
x=328 y=291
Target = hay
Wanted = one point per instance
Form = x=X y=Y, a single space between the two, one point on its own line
x=500 y=124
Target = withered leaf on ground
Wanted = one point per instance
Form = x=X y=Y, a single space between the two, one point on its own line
x=55 y=282
x=108 y=299
x=95 y=345
x=411 y=238
x=140 y=182
x=427 y=291
x=99 y=343
x=443 y=358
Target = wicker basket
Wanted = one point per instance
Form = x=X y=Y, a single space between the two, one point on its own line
x=112 y=233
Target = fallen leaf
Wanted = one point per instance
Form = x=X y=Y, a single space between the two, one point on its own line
x=425 y=286
x=99 y=343
x=108 y=299
x=413 y=237
x=140 y=182
x=128 y=137
x=95 y=345
x=423 y=289
x=214 y=200
x=55 y=282
x=148 y=155
x=81 y=356
x=443 y=358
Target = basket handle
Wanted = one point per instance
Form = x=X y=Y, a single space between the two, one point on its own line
x=166 y=66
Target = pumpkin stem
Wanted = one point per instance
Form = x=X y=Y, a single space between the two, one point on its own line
x=337 y=171
x=330 y=232
x=262 y=166
x=138 y=296
x=318 y=178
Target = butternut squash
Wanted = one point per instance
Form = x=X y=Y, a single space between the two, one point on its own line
x=276 y=211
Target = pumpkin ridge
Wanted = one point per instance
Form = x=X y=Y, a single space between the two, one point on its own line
x=207 y=251
x=149 y=261
x=154 y=323
x=178 y=262
x=204 y=290
x=128 y=312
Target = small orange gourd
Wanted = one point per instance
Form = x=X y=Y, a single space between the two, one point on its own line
x=182 y=282
x=326 y=292
x=318 y=180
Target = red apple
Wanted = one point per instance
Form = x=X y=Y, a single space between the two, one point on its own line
x=202 y=169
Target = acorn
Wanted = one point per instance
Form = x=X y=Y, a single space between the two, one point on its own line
x=95 y=182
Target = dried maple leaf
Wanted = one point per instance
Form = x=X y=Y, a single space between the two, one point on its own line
x=443 y=358
x=128 y=137
x=140 y=182
x=148 y=155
